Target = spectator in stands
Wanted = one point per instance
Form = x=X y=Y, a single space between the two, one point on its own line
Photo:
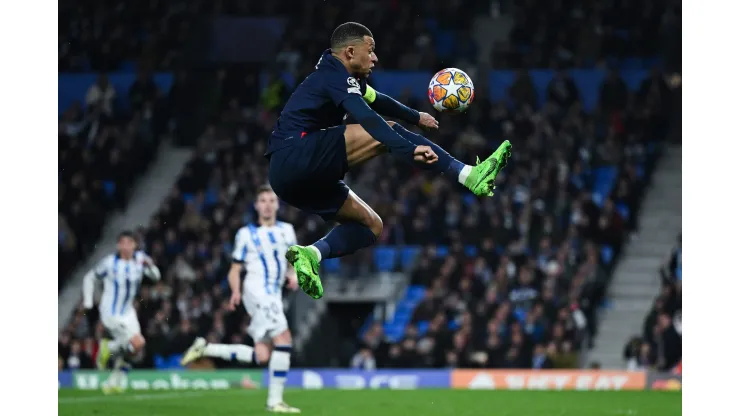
x=101 y=95
x=614 y=94
x=363 y=360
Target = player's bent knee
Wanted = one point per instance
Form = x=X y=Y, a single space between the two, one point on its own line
x=284 y=338
x=137 y=342
x=375 y=223
x=262 y=352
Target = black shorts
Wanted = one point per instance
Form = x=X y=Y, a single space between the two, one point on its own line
x=308 y=174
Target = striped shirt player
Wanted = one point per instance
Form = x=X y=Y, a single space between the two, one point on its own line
x=260 y=249
x=121 y=274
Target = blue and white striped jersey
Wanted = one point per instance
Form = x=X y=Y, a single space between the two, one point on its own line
x=262 y=250
x=121 y=280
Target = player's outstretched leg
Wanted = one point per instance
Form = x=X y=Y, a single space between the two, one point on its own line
x=480 y=179
x=359 y=227
x=201 y=348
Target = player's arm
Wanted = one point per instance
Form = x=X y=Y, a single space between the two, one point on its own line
x=150 y=269
x=377 y=127
x=346 y=93
x=387 y=106
x=238 y=257
x=88 y=284
x=234 y=279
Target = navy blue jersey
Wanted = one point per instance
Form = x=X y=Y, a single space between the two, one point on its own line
x=317 y=102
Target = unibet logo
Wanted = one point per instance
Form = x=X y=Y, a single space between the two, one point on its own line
x=167 y=381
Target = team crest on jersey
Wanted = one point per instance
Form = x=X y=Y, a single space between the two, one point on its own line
x=354 y=86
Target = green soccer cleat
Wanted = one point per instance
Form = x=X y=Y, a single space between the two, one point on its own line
x=306 y=266
x=103 y=355
x=283 y=408
x=482 y=179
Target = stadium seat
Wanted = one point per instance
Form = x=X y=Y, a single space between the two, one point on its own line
x=109 y=187
x=408 y=256
x=623 y=211
x=442 y=251
x=385 y=258
x=422 y=327
x=607 y=254
x=471 y=251
x=330 y=265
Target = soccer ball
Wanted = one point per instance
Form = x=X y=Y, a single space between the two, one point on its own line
x=451 y=90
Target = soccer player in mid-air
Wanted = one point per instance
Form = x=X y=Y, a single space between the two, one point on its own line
x=310 y=150
x=121 y=274
x=260 y=249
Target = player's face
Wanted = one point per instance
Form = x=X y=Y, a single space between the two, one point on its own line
x=364 y=59
x=126 y=246
x=267 y=205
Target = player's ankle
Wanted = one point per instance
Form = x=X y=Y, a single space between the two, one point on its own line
x=315 y=250
x=464 y=174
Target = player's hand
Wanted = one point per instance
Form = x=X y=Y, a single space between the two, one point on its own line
x=426 y=121
x=236 y=299
x=425 y=154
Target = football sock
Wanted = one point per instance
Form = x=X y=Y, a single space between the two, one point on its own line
x=118 y=346
x=278 y=369
x=446 y=164
x=345 y=239
x=242 y=353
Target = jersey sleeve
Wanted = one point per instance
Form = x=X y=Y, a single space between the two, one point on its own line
x=239 y=255
x=290 y=235
x=340 y=88
x=101 y=269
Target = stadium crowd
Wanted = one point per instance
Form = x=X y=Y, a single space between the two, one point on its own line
x=103 y=149
x=659 y=346
x=526 y=299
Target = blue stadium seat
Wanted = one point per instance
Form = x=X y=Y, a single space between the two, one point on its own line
x=385 y=258
x=408 y=255
x=471 y=251
x=623 y=211
x=442 y=251
x=187 y=197
x=607 y=254
x=173 y=361
x=109 y=187
x=422 y=327
x=330 y=265
x=159 y=362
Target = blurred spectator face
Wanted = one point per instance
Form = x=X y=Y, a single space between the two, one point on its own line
x=126 y=246
x=267 y=205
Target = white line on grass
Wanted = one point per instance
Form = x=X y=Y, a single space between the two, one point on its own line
x=96 y=399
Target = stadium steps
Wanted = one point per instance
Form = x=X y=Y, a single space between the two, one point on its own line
x=636 y=280
x=401 y=315
x=145 y=201
x=306 y=315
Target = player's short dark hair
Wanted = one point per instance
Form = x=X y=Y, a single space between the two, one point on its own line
x=349 y=33
x=126 y=234
x=262 y=189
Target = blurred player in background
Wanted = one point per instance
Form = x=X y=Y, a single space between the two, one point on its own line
x=121 y=274
x=260 y=249
x=310 y=150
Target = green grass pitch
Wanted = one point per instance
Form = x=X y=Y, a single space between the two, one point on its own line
x=375 y=403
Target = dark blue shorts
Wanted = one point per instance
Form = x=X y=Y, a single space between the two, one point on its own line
x=308 y=174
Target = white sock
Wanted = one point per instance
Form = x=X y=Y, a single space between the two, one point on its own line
x=278 y=370
x=316 y=250
x=243 y=353
x=118 y=346
x=464 y=173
